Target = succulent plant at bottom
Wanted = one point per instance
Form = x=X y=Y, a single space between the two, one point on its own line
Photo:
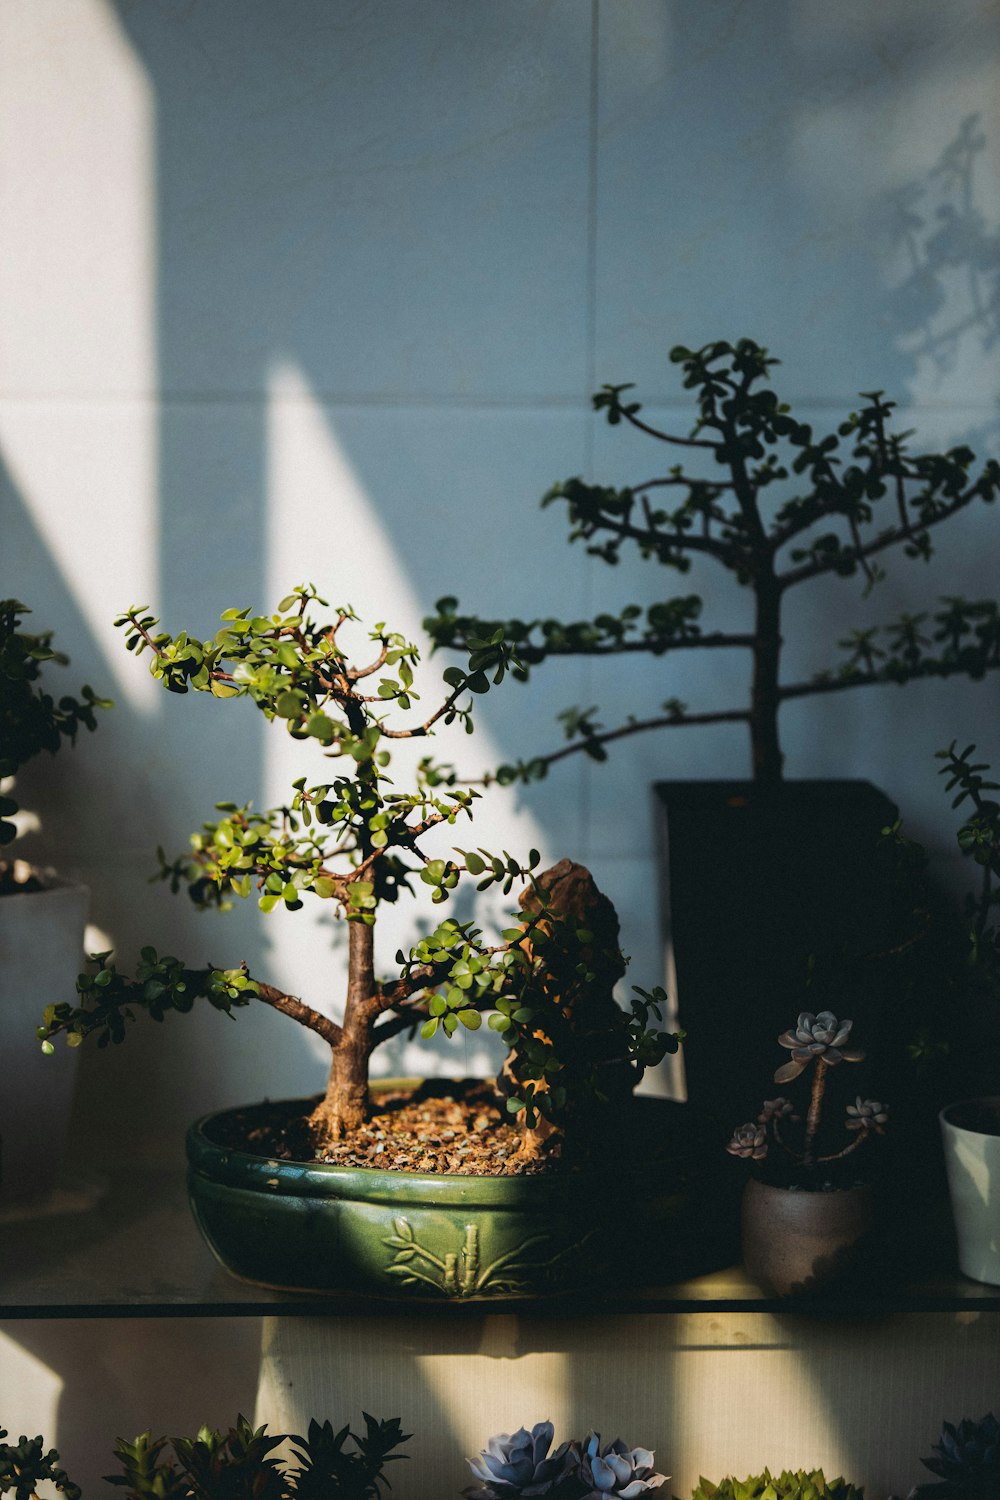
x=788 y=1485
x=520 y=1464
x=616 y=1469
x=967 y=1461
x=238 y=1464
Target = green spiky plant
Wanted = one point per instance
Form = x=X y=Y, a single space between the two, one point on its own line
x=31 y=719
x=27 y=1464
x=777 y=506
x=356 y=842
x=788 y=1485
x=240 y=1464
x=969 y=783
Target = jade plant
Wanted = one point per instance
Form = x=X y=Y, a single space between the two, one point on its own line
x=966 y=1460
x=788 y=1485
x=26 y=1465
x=776 y=505
x=31 y=719
x=241 y=1464
x=520 y=1464
x=356 y=841
x=783 y=1144
x=979 y=840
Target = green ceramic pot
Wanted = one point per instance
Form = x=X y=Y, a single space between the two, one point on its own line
x=403 y=1234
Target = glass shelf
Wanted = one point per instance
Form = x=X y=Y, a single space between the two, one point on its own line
x=128 y=1248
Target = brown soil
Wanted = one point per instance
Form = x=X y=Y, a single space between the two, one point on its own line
x=445 y=1126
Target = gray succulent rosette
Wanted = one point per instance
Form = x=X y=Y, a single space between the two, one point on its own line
x=616 y=1469
x=520 y=1464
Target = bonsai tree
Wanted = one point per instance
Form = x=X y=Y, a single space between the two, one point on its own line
x=817 y=1043
x=31 y=720
x=357 y=842
x=776 y=505
x=239 y=1465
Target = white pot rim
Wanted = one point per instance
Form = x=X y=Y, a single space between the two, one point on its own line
x=977 y=1101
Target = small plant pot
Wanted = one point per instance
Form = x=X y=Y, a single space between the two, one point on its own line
x=41 y=953
x=796 y=1241
x=320 y=1227
x=971 y=1132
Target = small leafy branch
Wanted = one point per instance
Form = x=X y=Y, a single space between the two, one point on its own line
x=31 y=720
x=817 y=1043
x=979 y=840
x=239 y=1465
x=778 y=506
x=24 y=1466
x=355 y=841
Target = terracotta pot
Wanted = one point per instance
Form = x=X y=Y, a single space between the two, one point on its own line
x=971 y=1132
x=321 y=1227
x=41 y=954
x=796 y=1241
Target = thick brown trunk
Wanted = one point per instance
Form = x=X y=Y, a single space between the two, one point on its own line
x=344 y=1106
x=765 y=749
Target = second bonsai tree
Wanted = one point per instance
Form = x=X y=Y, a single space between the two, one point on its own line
x=357 y=841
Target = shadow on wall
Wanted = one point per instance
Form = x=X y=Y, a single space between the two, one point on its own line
x=948 y=250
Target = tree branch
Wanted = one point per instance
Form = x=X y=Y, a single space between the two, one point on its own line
x=289 y=1005
x=877 y=544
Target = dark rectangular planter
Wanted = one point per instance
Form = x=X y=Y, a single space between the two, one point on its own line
x=754 y=883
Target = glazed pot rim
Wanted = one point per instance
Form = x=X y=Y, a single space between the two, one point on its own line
x=801 y=1191
x=240 y=1168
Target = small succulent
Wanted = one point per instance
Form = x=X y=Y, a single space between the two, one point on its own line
x=617 y=1469
x=23 y=1467
x=817 y=1042
x=967 y=1459
x=749 y=1141
x=814 y=1039
x=239 y=1465
x=784 y=1486
x=520 y=1464
x=867 y=1114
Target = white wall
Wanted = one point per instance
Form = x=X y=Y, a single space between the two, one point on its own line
x=321 y=290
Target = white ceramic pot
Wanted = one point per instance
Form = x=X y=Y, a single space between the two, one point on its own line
x=41 y=953
x=971 y=1131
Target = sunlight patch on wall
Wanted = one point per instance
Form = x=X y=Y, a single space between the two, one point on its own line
x=29 y=1393
x=324 y=528
x=77 y=301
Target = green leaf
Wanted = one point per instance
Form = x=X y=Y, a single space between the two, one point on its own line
x=288 y=705
x=320 y=727
x=470 y=1019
